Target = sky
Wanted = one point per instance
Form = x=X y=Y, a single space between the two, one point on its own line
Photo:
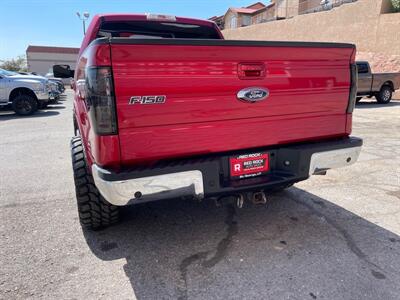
x=55 y=23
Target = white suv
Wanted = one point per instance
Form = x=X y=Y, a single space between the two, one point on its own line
x=25 y=93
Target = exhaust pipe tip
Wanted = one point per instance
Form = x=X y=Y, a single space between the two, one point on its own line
x=239 y=201
x=259 y=198
x=236 y=200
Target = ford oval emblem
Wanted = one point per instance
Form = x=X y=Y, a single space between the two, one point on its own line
x=253 y=94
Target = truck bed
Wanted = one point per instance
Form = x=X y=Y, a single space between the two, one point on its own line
x=308 y=87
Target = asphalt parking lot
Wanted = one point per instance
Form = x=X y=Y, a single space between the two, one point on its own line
x=331 y=237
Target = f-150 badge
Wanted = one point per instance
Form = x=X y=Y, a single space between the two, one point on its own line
x=253 y=94
x=147 y=99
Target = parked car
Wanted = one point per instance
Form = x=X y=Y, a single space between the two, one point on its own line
x=59 y=85
x=50 y=75
x=378 y=85
x=25 y=93
x=59 y=81
x=54 y=93
x=56 y=88
x=165 y=108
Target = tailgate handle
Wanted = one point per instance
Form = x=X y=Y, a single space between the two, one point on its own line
x=251 y=70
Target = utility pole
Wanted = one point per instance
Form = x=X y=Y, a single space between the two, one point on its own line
x=83 y=17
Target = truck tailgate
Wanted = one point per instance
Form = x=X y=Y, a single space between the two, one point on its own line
x=308 y=87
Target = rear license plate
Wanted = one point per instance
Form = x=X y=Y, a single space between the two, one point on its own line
x=249 y=165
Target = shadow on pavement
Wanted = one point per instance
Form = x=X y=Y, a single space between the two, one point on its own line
x=55 y=106
x=300 y=246
x=373 y=104
x=10 y=115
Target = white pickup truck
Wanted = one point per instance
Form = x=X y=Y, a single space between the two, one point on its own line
x=25 y=93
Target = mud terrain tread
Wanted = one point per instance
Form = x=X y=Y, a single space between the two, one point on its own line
x=94 y=211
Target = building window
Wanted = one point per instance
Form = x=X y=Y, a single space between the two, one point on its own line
x=233 y=22
x=246 y=20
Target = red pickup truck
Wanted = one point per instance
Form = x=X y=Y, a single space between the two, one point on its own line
x=164 y=107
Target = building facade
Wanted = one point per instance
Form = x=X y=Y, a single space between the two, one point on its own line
x=40 y=59
x=311 y=6
x=286 y=9
x=243 y=16
x=257 y=13
x=275 y=10
x=219 y=20
x=264 y=14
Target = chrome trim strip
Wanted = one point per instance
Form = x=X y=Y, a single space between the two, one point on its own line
x=322 y=161
x=167 y=186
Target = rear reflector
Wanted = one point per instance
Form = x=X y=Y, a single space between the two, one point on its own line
x=100 y=100
x=156 y=17
x=353 y=88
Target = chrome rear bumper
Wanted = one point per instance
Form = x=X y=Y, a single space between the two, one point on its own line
x=145 y=189
x=323 y=161
x=210 y=176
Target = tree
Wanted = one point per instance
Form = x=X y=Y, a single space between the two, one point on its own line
x=17 y=64
x=396 y=5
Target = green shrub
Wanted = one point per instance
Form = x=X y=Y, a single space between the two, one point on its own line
x=14 y=64
x=396 y=5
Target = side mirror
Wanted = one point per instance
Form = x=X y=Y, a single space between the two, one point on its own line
x=63 y=71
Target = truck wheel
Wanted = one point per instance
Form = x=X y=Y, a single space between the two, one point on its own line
x=385 y=95
x=24 y=105
x=94 y=211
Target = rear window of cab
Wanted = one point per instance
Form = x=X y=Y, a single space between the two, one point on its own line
x=156 y=30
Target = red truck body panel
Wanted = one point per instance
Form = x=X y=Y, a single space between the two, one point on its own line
x=195 y=139
x=309 y=92
x=165 y=108
x=308 y=96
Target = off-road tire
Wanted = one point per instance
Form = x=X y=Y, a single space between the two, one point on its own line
x=385 y=95
x=24 y=105
x=94 y=211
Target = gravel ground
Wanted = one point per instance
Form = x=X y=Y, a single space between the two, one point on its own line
x=331 y=237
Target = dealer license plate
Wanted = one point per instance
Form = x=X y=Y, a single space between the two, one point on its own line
x=249 y=165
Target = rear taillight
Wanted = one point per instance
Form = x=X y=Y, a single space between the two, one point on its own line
x=353 y=88
x=100 y=100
